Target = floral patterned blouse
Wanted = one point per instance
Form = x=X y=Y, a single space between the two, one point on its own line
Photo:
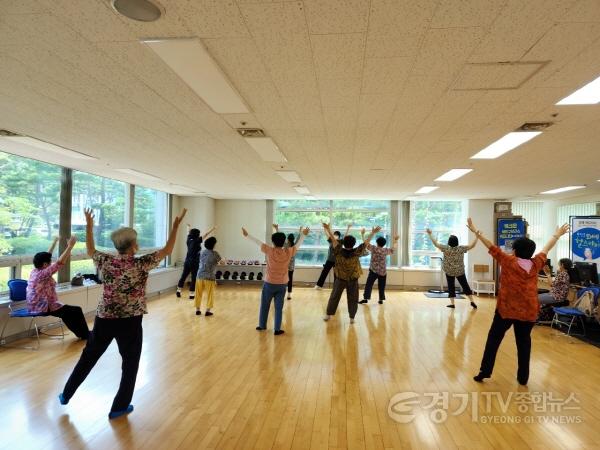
x=378 y=259
x=124 y=278
x=41 y=290
x=560 y=287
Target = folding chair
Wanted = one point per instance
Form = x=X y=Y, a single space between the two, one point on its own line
x=573 y=314
x=18 y=310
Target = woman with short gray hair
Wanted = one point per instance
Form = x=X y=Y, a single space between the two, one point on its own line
x=120 y=310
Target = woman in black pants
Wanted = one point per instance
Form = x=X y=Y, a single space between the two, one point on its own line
x=192 y=259
x=453 y=266
x=330 y=262
x=120 y=310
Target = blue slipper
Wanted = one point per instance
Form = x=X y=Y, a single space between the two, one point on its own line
x=62 y=399
x=115 y=414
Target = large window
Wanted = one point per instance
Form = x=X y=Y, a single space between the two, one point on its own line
x=533 y=213
x=29 y=205
x=291 y=214
x=563 y=214
x=443 y=217
x=150 y=217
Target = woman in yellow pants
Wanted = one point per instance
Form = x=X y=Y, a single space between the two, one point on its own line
x=206 y=280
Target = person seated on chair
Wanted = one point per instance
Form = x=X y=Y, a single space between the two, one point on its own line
x=41 y=291
x=559 y=287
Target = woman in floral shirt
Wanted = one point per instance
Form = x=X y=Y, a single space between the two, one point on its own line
x=120 y=311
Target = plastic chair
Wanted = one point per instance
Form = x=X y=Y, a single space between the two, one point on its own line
x=573 y=313
x=19 y=310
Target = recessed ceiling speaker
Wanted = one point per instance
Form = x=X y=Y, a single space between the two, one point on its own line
x=140 y=10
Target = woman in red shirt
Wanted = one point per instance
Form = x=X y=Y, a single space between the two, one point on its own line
x=517 y=303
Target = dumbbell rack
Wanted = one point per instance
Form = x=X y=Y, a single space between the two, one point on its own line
x=248 y=268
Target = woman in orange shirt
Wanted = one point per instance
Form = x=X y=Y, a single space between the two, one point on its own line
x=517 y=303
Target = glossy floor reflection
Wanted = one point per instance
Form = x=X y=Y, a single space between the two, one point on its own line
x=215 y=382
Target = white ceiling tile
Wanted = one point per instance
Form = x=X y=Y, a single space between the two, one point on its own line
x=375 y=109
x=393 y=44
x=338 y=55
x=336 y=16
x=239 y=58
x=211 y=18
x=339 y=93
x=388 y=16
x=385 y=75
x=467 y=13
x=582 y=11
x=271 y=19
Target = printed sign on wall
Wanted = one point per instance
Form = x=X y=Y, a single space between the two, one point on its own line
x=585 y=239
x=509 y=230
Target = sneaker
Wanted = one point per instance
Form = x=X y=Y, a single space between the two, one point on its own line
x=363 y=301
x=450 y=306
x=480 y=377
x=178 y=293
x=115 y=414
x=474 y=305
x=62 y=399
x=260 y=329
x=192 y=296
x=326 y=317
x=289 y=297
x=381 y=302
x=198 y=313
x=317 y=287
x=278 y=332
x=351 y=320
x=208 y=313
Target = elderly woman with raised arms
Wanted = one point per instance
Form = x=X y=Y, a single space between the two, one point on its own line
x=120 y=310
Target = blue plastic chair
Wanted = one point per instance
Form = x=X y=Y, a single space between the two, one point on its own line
x=573 y=313
x=18 y=310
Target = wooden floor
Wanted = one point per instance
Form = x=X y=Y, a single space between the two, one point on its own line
x=215 y=382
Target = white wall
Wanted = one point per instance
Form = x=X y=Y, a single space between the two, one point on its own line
x=231 y=216
x=482 y=213
x=200 y=214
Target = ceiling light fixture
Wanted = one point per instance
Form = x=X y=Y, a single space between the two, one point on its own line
x=302 y=190
x=587 y=95
x=43 y=145
x=189 y=59
x=140 y=10
x=290 y=176
x=453 y=174
x=426 y=189
x=505 y=144
x=562 y=189
x=267 y=149
x=139 y=174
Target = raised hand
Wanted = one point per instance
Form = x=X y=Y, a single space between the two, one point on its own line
x=396 y=238
x=376 y=229
x=428 y=230
x=179 y=218
x=326 y=226
x=72 y=241
x=471 y=226
x=244 y=232
x=276 y=226
x=89 y=216
x=305 y=231
x=564 y=229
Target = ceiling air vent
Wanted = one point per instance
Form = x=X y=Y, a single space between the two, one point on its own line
x=251 y=132
x=534 y=126
x=7 y=133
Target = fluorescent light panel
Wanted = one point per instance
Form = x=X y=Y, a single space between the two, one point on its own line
x=189 y=59
x=32 y=142
x=587 y=95
x=267 y=149
x=453 y=174
x=289 y=175
x=302 y=190
x=426 y=189
x=505 y=144
x=562 y=189
x=139 y=174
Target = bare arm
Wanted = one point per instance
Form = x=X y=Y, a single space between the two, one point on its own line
x=472 y=244
x=332 y=238
x=433 y=240
x=373 y=232
x=208 y=233
x=555 y=237
x=62 y=259
x=168 y=248
x=303 y=234
x=89 y=232
x=252 y=238
x=348 y=229
x=395 y=241
x=53 y=245
x=276 y=227
x=479 y=234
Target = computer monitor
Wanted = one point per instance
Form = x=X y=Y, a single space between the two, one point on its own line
x=588 y=272
x=574 y=276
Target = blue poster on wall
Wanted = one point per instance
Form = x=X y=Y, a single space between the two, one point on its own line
x=585 y=239
x=509 y=229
